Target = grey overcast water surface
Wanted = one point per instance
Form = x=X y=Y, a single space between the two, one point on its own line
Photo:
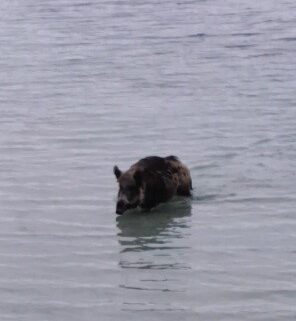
x=85 y=85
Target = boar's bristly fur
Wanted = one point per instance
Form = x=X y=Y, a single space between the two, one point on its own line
x=151 y=181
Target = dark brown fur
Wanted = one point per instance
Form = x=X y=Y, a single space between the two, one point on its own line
x=150 y=181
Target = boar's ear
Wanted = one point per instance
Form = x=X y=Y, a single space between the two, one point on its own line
x=138 y=178
x=116 y=171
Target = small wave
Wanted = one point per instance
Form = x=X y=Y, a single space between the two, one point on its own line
x=245 y=46
x=204 y=197
x=287 y=39
x=204 y=166
x=262 y=141
x=147 y=289
x=197 y=35
x=245 y=34
x=262 y=200
x=210 y=197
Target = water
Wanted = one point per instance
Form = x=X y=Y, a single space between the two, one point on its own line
x=86 y=85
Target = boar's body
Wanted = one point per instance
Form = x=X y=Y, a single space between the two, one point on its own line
x=150 y=181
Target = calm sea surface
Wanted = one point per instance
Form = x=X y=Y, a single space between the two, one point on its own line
x=89 y=84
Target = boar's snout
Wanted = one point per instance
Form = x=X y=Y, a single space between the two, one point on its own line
x=120 y=207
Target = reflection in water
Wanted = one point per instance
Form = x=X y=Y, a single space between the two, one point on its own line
x=152 y=240
x=155 y=251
